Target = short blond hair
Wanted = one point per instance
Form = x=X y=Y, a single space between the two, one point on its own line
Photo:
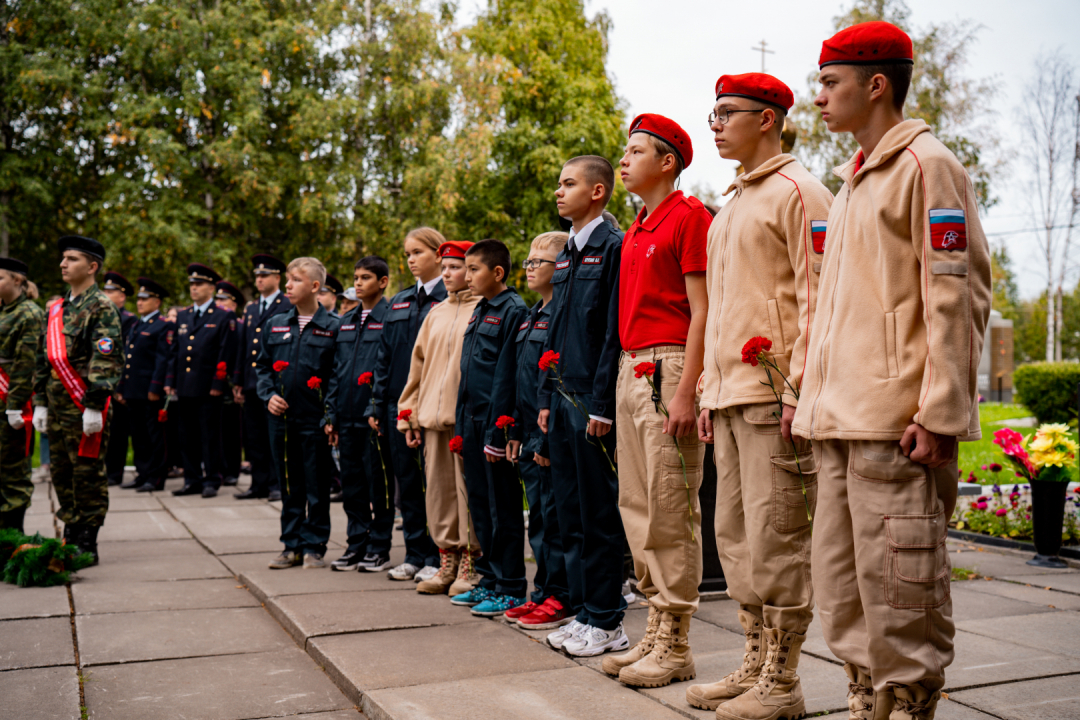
x=427 y=235
x=311 y=267
x=554 y=241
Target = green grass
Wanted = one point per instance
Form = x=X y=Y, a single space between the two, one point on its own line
x=962 y=573
x=973 y=455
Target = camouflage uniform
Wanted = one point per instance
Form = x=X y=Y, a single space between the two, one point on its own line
x=22 y=324
x=80 y=483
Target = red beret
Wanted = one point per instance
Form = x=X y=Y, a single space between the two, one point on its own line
x=667 y=130
x=454 y=248
x=868 y=43
x=756 y=86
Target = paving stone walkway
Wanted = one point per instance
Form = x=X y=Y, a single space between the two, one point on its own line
x=184 y=620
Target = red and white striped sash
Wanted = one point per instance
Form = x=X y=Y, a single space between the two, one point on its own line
x=56 y=349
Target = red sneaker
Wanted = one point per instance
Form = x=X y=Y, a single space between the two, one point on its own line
x=520 y=611
x=548 y=616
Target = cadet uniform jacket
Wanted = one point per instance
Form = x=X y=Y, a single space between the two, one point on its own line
x=532 y=335
x=22 y=333
x=585 y=321
x=765 y=249
x=432 y=388
x=147 y=357
x=128 y=321
x=402 y=325
x=357 y=352
x=200 y=346
x=251 y=331
x=489 y=366
x=92 y=334
x=309 y=354
x=904 y=298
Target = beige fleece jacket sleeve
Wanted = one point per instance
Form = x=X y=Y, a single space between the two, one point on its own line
x=410 y=396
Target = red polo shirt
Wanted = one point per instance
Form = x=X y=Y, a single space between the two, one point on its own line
x=656 y=252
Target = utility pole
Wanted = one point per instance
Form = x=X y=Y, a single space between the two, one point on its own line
x=762 y=49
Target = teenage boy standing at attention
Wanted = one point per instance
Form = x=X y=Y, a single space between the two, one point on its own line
x=764 y=259
x=584 y=331
x=890 y=382
x=662 y=307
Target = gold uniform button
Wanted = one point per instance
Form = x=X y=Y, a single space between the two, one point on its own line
x=255 y=341
x=211 y=311
x=187 y=370
x=191 y=338
x=128 y=365
x=253 y=364
x=188 y=347
x=253 y=352
x=258 y=329
x=189 y=358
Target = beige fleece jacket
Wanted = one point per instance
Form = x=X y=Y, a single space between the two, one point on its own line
x=435 y=372
x=904 y=298
x=764 y=259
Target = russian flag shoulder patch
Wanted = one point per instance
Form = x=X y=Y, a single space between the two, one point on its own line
x=948 y=229
x=817 y=235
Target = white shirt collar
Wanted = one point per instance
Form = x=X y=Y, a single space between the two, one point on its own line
x=269 y=298
x=147 y=316
x=204 y=306
x=429 y=285
x=580 y=237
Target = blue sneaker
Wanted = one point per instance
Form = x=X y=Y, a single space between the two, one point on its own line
x=497 y=605
x=474 y=597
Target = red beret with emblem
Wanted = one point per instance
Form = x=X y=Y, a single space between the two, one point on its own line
x=756 y=86
x=454 y=248
x=667 y=130
x=869 y=43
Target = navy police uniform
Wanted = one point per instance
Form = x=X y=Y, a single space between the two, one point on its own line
x=120 y=426
x=231 y=416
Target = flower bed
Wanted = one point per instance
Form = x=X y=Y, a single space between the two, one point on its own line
x=1006 y=513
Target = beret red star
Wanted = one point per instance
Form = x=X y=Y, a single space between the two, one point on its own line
x=667 y=130
x=869 y=43
x=454 y=248
x=756 y=86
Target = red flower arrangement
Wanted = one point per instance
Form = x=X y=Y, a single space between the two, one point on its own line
x=365 y=378
x=753 y=349
x=314 y=382
x=646 y=369
x=548 y=360
x=162 y=415
x=405 y=415
x=504 y=422
x=280 y=365
x=456 y=443
x=221 y=372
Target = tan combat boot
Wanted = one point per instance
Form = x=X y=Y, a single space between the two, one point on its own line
x=467 y=577
x=613 y=664
x=709 y=697
x=914 y=702
x=670 y=658
x=863 y=702
x=778 y=692
x=448 y=569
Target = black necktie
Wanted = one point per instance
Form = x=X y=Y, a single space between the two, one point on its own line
x=422 y=296
x=198 y=315
x=262 y=308
x=575 y=253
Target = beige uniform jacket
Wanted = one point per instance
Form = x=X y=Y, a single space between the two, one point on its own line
x=904 y=298
x=435 y=373
x=764 y=258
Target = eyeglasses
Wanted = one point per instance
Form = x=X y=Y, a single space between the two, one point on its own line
x=725 y=115
x=534 y=264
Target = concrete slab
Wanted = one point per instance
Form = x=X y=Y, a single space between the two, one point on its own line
x=1063 y=582
x=265 y=543
x=206 y=529
x=153 y=549
x=133 y=502
x=581 y=693
x=982 y=660
x=125 y=637
x=153 y=525
x=33 y=602
x=224 y=498
x=1047 y=699
x=723 y=613
x=182 y=567
x=265 y=582
x=235 y=687
x=1054 y=632
x=217 y=516
x=946 y=710
x=365 y=662
x=350 y=714
x=40 y=642
x=97 y=597
x=968 y=604
x=999 y=565
x=1027 y=593
x=41 y=693
x=40 y=523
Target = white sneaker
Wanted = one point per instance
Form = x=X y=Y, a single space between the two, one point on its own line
x=596 y=641
x=404 y=571
x=628 y=593
x=560 y=636
x=426 y=574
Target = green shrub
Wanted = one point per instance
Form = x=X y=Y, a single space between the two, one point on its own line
x=1048 y=390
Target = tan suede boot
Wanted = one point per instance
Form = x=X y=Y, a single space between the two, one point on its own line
x=914 y=702
x=670 y=658
x=613 y=664
x=467 y=577
x=778 y=692
x=863 y=702
x=448 y=569
x=709 y=697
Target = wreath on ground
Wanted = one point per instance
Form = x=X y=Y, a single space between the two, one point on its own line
x=34 y=560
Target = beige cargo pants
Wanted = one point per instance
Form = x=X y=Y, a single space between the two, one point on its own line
x=652 y=490
x=881 y=568
x=446 y=499
x=762 y=529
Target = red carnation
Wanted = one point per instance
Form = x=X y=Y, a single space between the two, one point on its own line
x=754 y=347
x=365 y=378
x=644 y=368
x=163 y=415
x=314 y=382
x=404 y=415
x=221 y=372
x=504 y=422
x=280 y=365
x=549 y=359
x=456 y=443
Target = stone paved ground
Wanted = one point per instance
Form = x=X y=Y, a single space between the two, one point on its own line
x=184 y=620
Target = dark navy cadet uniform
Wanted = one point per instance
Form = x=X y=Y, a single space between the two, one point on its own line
x=585 y=332
x=486 y=392
x=120 y=425
x=407 y=312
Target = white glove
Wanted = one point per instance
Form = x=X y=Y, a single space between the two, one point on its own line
x=41 y=419
x=91 y=421
x=14 y=418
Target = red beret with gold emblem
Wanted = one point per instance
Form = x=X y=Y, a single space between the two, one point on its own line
x=667 y=130
x=869 y=43
x=756 y=86
x=454 y=248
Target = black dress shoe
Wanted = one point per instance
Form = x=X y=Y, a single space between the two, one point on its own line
x=229 y=481
x=188 y=490
x=274 y=495
x=131 y=485
x=209 y=491
x=113 y=482
x=149 y=487
x=249 y=494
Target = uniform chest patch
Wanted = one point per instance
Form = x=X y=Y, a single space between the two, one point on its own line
x=948 y=230
x=321 y=333
x=375 y=326
x=400 y=306
x=492 y=320
x=105 y=346
x=542 y=325
x=592 y=259
x=523 y=325
x=472 y=320
x=210 y=325
x=143 y=332
x=346 y=328
x=562 y=264
x=168 y=337
x=279 y=328
x=817 y=235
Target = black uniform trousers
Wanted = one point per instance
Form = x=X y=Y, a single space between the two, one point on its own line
x=301 y=455
x=544 y=536
x=119 y=430
x=257 y=444
x=587 y=505
x=420 y=550
x=367 y=487
x=200 y=437
x=148 y=442
x=231 y=440
x=496 y=506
